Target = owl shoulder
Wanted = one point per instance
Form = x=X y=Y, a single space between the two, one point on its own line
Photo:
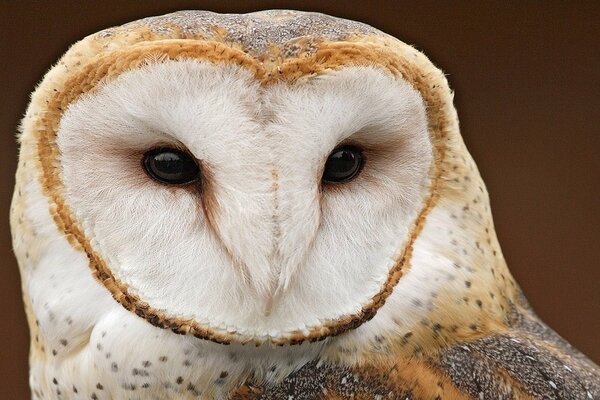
x=528 y=360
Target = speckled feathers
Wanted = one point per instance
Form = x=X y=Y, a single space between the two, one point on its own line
x=393 y=286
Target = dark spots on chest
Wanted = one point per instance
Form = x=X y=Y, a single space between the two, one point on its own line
x=405 y=339
x=417 y=302
x=191 y=388
x=139 y=372
x=114 y=367
x=99 y=386
x=224 y=374
x=418 y=351
x=128 y=386
x=162 y=359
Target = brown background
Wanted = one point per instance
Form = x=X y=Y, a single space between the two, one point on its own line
x=527 y=85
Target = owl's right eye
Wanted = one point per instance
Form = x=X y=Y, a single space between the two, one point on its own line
x=171 y=166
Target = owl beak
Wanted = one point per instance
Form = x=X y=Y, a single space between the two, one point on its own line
x=272 y=295
x=266 y=226
x=268 y=307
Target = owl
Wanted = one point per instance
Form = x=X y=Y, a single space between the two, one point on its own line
x=275 y=205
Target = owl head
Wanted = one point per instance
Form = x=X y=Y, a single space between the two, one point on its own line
x=272 y=177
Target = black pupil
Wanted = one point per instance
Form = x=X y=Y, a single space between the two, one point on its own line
x=171 y=166
x=343 y=164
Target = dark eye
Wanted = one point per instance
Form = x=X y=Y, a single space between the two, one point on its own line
x=171 y=166
x=343 y=164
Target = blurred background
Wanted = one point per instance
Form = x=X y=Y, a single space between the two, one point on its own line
x=527 y=83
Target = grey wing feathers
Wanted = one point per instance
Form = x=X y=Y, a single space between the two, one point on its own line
x=530 y=355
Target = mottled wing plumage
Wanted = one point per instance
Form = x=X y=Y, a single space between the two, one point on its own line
x=529 y=360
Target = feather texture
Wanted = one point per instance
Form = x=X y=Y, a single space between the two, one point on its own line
x=261 y=281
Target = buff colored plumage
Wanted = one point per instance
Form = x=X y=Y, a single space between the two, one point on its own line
x=262 y=282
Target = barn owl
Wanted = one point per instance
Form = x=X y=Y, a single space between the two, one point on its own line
x=276 y=205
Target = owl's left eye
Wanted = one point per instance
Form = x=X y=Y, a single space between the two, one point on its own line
x=171 y=166
x=343 y=164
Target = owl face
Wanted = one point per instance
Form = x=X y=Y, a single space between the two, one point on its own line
x=269 y=178
x=230 y=208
